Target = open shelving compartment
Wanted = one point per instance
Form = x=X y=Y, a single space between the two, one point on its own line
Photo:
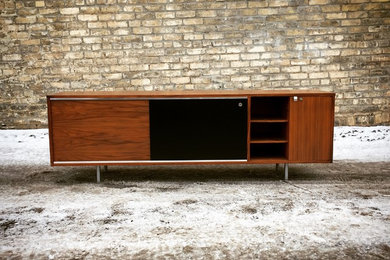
x=268 y=137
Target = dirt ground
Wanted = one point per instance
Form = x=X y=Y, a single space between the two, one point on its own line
x=331 y=211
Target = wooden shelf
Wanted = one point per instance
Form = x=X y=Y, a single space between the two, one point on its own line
x=268 y=120
x=268 y=132
x=273 y=108
x=270 y=159
x=268 y=150
x=268 y=141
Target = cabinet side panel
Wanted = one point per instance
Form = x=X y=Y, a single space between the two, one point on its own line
x=100 y=130
x=49 y=120
x=311 y=129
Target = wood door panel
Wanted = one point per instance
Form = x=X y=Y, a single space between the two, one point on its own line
x=100 y=130
x=311 y=129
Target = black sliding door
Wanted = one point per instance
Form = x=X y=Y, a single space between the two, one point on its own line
x=198 y=129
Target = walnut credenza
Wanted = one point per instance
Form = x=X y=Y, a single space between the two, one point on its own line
x=190 y=127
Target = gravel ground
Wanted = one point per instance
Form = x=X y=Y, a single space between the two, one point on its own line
x=331 y=211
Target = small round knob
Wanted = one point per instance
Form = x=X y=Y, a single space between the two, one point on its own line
x=240 y=104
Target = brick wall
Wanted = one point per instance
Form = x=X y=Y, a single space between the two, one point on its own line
x=49 y=46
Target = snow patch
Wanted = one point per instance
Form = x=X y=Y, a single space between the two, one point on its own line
x=366 y=144
x=24 y=147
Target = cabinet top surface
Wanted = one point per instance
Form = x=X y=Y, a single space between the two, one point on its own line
x=187 y=93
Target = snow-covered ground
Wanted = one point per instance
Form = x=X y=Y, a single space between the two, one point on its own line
x=325 y=211
x=365 y=144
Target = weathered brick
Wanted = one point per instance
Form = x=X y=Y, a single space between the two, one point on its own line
x=139 y=67
x=295 y=32
x=318 y=2
x=336 y=16
x=230 y=57
x=61 y=85
x=117 y=24
x=80 y=32
x=142 y=30
x=251 y=56
x=199 y=65
x=74 y=55
x=270 y=70
x=352 y=22
x=240 y=78
x=277 y=3
x=106 y=17
x=193 y=21
x=185 y=14
x=181 y=80
x=257 y=49
x=87 y=17
x=151 y=23
x=112 y=76
x=124 y=16
x=162 y=66
x=152 y=38
x=330 y=8
x=315 y=46
x=267 y=11
x=239 y=64
x=327 y=53
x=90 y=40
x=39 y=3
x=12 y=57
x=351 y=7
x=69 y=10
x=140 y=82
x=318 y=75
x=26 y=19
x=165 y=15
x=298 y=75
x=119 y=68
x=96 y=25
x=338 y=74
x=173 y=37
x=193 y=36
x=208 y=13
x=173 y=22
x=291 y=69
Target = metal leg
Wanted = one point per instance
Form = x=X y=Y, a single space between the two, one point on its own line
x=105 y=168
x=286 y=171
x=98 y=174
x=277 y=167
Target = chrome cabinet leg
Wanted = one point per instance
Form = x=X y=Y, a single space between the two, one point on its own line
x=98 y=174
x=286 y=171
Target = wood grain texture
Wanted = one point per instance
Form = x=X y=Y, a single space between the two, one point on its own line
x=99 y=130
x=186 y=94
x=311 y=130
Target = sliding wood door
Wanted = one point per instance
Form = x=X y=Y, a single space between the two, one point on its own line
x=99 y=130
